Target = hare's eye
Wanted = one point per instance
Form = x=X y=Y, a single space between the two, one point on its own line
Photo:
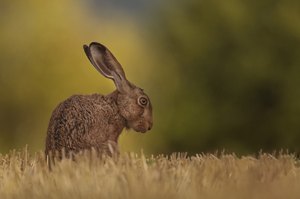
x=143 y=101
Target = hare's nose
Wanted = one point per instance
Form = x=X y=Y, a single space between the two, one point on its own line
x=150 y=126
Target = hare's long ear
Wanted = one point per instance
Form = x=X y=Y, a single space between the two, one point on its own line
x=104 y=61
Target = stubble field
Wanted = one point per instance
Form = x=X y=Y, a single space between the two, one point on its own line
x=208 y=176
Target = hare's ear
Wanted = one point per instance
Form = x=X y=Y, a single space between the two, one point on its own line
x=104 y=61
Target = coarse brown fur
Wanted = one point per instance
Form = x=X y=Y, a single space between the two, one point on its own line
x=83 y=122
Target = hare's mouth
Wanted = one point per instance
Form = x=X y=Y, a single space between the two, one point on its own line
x=140 y=129
x=139 y=126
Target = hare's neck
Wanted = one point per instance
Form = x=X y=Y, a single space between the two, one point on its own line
x=113 y=95
x=119 y=121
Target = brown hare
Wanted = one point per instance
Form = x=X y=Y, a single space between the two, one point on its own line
x=83 y=122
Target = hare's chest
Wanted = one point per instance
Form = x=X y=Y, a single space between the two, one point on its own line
x=115 y=126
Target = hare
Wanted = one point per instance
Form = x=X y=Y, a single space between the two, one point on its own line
x=83 y=122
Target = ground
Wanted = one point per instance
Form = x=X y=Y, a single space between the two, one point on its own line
x=136 y=176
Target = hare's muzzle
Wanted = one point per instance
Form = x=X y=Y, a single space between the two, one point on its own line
x=142 y=127
x=150 y=126
x=147 y=127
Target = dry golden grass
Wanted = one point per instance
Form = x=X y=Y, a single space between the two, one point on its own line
x=138 y=177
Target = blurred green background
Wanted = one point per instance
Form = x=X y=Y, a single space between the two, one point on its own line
x=220 y=74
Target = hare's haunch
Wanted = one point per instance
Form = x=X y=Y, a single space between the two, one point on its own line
x=95 y=121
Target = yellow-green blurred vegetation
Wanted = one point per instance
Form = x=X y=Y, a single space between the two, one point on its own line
x=131 y=176
x=220 y=74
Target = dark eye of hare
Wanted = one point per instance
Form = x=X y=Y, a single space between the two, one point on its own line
x=143 y=101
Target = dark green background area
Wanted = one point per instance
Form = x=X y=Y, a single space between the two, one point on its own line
x=220 y=74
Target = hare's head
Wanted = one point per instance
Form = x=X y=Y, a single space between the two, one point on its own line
x=134 y=105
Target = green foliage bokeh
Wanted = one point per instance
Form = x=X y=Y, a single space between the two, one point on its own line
x=239 y=74
x=220 y=74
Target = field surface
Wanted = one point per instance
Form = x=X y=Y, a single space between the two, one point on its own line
x=26 y=176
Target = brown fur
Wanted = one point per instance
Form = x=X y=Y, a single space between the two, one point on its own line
x=95 y=121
